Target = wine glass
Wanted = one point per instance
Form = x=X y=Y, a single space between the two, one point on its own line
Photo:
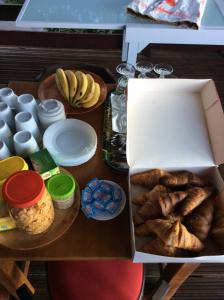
x=163 y=70
x=126 y=69
x=143 y=67
x=171 y=76
x=148 y=75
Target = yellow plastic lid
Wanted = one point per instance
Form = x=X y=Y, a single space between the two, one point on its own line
x=11 y=165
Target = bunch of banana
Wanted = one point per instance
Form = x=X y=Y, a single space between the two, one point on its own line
x=78 y=88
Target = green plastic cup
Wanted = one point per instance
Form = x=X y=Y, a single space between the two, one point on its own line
x=62 y=190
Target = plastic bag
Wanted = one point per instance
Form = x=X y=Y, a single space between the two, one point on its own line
x=188 y=12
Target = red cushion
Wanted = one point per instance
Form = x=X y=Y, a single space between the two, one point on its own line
x=95 y=280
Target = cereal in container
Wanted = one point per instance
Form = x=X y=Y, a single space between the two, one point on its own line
x=8 y=167
x=29 y=202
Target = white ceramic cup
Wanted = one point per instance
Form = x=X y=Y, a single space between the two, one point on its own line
x=27 y=102
x=50 y=111
x=6 y=135
x=25 y=143
x=7 y=115
x=9 y=97
x=4 y=150
x=25 y=121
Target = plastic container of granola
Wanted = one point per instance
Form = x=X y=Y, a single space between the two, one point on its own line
x=29 y=202
x=8 y=167
x=62 y=190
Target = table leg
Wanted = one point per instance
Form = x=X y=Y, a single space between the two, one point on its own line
x=132 y=53
x=124 y=47
x=173 y=276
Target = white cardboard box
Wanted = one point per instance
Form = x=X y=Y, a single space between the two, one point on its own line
x=175 y=124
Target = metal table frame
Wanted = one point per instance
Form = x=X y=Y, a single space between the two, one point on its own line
x=137 y=32
x=131 y=46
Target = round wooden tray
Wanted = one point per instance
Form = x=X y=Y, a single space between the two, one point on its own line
x=48 y=90
x=18 y=240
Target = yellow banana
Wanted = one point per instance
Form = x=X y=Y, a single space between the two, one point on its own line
x=72 y=83
x=94 y=98
x=90 y=89
x=62 y=83
x=77 y=104
x=59 y=86
x=82 y=85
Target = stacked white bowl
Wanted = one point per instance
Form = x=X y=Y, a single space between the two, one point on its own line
x=70 y=142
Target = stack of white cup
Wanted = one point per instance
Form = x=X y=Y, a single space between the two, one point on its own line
x=7 y=115
x=4 y=150
x=25 y=121
x=27 y=102
x=21 y=119
x=9 y=97
x=24 y=124
x=6 y=135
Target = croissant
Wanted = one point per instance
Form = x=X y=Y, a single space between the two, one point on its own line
x=149 y=178
x=195 y=197
x=149 y=210
x=143 y=230
x=160 y=204
x=175 y=216
x=181 y=178
x=174 y=234
x=150 y=196
x=157 y=247
x=168 y=201
x=218 y=226
x=199 y=221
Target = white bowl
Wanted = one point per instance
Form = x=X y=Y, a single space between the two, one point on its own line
x=69 y=162
x=71 y=142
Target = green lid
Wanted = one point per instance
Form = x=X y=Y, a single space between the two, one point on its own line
x=61 y=186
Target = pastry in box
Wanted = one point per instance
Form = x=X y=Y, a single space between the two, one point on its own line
x=175 y=128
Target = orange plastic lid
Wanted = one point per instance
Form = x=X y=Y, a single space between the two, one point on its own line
x=23 y=189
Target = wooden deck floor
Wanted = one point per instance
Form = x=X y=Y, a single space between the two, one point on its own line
x=24 y=63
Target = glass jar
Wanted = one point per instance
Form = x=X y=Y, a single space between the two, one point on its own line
x=62 y=190
x=50 y=111
x=9 y=166
x=28 y=201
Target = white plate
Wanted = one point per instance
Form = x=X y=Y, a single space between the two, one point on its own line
x=70 y=142
x=104 y=216
x=70 y=162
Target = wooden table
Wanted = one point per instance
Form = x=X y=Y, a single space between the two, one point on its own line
x=90 y=239
x=86 y=239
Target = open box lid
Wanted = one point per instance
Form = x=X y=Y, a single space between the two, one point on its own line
x=174 y=123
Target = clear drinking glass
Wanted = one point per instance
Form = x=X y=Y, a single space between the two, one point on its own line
x=126 y=69
x=143 y=67
x=148 y=75
x=163 y=70
x=171 y=76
